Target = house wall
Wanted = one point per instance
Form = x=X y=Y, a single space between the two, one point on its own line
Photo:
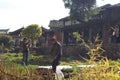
x=71 y=22
x=112 y=49
x=4 y=31
x=59 y=35
x=112 y=18
x=56 y=24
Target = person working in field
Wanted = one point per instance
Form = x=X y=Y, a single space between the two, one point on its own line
x=56 y=52
x=25 y=49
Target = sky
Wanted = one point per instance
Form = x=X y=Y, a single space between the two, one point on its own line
x=15 y=14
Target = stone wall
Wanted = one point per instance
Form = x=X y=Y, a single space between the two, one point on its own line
x=74 y=50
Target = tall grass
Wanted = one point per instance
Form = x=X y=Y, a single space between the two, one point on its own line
x=11 y=71
x=102 y=69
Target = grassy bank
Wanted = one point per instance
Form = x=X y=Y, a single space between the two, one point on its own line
x=11 y=69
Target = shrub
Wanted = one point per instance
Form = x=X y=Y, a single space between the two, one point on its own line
x=6 y=43
x=102 y=69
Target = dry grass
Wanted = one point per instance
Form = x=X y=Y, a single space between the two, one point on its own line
x=10 y=71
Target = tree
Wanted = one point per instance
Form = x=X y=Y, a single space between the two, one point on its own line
x=32 y=32
x=6 y=43
x=81 y=10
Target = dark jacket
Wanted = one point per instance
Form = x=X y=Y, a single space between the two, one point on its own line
x=56 y=50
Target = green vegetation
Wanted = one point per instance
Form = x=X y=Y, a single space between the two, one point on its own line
x=102 y=69
x=11 y=71
x=6 y=43
x=32 y=32
x=81 y=10
x=17 y=58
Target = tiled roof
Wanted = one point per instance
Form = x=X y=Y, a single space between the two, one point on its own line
x=16 y=32
x=5 y=30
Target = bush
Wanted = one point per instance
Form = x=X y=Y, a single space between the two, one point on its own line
x=6 y=43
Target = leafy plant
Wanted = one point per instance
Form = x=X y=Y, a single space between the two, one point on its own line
x=102 y=69
x=6 y=43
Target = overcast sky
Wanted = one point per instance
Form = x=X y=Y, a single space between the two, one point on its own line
x=15 y=14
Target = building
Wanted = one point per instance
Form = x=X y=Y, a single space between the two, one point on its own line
x=4 y=31
x=103 y=24
x=16 y=36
